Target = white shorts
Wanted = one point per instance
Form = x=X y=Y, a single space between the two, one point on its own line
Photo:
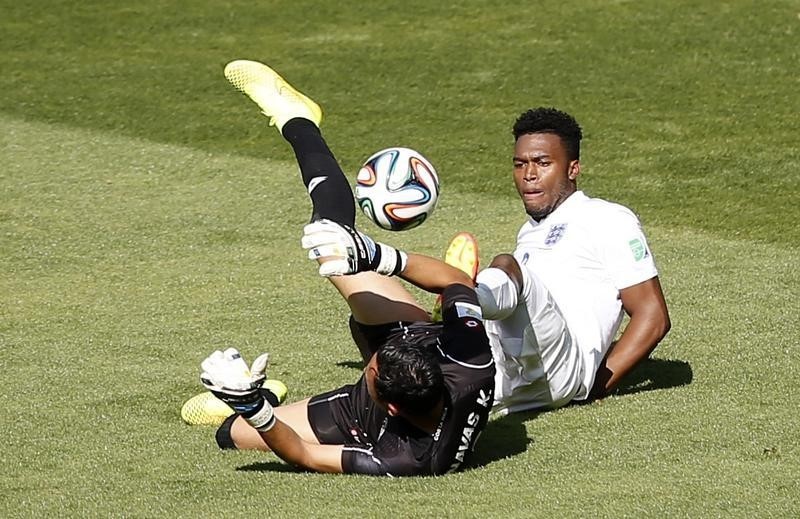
x=539 y=364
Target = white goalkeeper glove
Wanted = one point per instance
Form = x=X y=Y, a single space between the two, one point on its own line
x=349 y=251
x=227 y=376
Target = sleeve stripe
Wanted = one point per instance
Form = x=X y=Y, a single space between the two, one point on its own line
x=368 y=452
x=330 y=398
x=462 y=363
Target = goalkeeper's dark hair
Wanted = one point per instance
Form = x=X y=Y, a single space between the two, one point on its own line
x=409 y=373
x=551 y=120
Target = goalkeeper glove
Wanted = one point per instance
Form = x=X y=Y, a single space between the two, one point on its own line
x=227 y=376
x=351 y=251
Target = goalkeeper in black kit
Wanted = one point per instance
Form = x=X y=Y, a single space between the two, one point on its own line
x=427 y=389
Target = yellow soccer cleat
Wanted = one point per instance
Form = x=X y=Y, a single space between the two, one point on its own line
x=206 y=409
x=277 y=388
x=462 y=253
x=277 y=99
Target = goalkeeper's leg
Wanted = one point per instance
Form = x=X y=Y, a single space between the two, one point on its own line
x=297 y=117
x=373 y=298
x=236 y=433
x=330 y=192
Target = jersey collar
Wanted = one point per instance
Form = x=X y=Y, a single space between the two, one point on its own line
x=566 y=206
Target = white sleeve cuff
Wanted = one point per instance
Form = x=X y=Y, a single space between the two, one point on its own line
x=497 y=293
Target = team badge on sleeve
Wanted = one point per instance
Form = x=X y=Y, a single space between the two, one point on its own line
x=469 y=310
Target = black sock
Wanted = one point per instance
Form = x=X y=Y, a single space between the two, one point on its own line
x=223 y=436
x=331 y=195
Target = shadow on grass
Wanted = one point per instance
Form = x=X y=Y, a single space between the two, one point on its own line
x=655 y=374
x=269 y=466
x=353 y=364
x=502 y=438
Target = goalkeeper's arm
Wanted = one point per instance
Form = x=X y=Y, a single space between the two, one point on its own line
x=432 y=275
x=291 y=448
x=343 y=250
x=228 y=377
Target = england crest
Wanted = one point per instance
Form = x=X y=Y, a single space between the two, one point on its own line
x=555 y=233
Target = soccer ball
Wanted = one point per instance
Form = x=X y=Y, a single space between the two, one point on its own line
x=397 y=188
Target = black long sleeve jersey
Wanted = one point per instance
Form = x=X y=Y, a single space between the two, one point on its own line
x=391 y=446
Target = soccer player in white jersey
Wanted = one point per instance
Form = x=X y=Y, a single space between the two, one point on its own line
x=555 y=306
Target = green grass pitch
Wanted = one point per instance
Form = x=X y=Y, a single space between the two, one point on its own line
x=148 y=215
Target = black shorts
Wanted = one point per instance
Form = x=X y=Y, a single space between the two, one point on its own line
x=348 y=415
x=370 y=337
x=335 y=418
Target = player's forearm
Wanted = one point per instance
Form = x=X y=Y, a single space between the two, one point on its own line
x=639 y=339
x=291 y=448
x=431 y=274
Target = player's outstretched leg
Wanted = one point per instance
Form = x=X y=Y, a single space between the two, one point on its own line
x=298 y=117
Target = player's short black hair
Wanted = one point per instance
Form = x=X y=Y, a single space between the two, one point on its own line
x=551 y=120
x=409 y=373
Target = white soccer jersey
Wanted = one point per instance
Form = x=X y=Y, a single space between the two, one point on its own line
x=575 y=261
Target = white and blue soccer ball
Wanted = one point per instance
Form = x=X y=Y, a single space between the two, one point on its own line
x=397 y=188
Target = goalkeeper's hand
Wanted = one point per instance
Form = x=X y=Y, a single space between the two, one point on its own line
x=349 y=251
x=227 y=376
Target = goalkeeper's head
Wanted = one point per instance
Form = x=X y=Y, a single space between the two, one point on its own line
x=405 y=374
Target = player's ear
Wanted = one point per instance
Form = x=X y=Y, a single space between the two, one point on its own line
x=574 y=169
x=392 y=409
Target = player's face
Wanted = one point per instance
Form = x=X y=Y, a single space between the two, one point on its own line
x=543 y=173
